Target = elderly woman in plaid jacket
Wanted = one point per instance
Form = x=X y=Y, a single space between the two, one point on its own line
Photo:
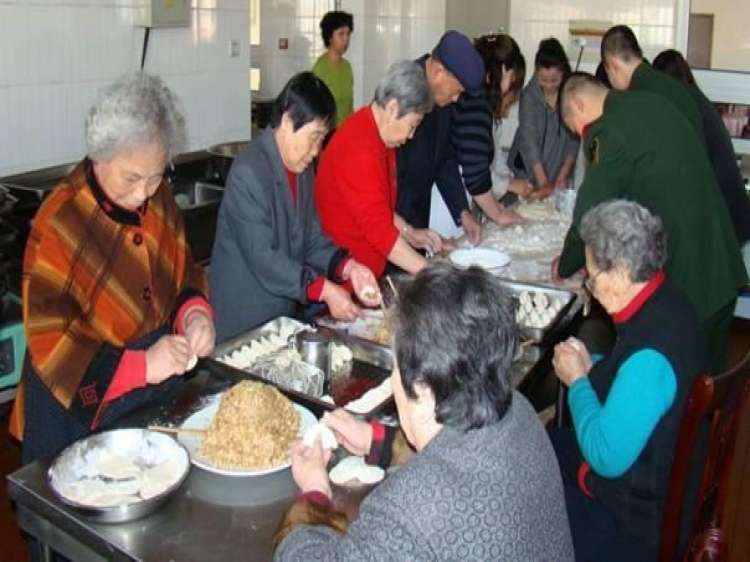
x=113 y=304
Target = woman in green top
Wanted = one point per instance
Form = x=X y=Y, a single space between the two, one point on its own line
x=331 y=67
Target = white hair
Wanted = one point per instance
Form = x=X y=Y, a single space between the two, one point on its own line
x=620 y=232
x=405 y=82
x=138 y=109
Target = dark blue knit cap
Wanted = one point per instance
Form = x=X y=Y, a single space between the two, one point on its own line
x=460 y=57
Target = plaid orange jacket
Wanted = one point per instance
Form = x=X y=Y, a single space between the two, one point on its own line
x=95 y=278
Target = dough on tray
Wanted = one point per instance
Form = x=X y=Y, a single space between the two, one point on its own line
x=341 y=355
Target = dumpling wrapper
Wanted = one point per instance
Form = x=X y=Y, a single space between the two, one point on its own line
x=114 y=466
x=96 y=493
x=371 y=398
x=354 y=469
x=327 y=438
x=158 y=478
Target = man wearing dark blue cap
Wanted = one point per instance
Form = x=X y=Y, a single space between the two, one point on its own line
x=453 y=67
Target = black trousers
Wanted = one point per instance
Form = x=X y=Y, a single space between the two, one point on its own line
x=597 y=537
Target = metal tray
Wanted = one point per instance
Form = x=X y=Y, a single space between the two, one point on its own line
x=371 y=364
x=538 y=335
x=362 y=330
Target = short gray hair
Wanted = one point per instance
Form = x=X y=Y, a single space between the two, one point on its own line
x=405 y=82
x=136 y=110
x=623 y=233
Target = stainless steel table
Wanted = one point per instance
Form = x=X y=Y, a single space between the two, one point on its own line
x=211 y=517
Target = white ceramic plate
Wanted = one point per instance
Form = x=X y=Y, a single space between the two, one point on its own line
x=203 y=418
x=481 y=257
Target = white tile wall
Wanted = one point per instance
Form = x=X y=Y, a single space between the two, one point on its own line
x=391 y=30
x=296 y=21
x=653 y=21
x=55 y=55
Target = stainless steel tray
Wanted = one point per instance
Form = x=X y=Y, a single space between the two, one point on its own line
x=371 y=364
x=363 y=330
x=538 y=335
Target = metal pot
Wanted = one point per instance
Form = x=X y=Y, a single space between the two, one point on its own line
x=315 y=349
x=224 y=154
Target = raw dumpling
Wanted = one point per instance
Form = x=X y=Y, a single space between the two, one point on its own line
x=540 y=301
x=524 y=298
x=340 y=356
x=116 y=467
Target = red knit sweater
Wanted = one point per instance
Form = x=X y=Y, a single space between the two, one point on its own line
x=355 y=191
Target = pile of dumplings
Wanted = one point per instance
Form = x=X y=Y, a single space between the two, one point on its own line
x=248 y=355
x=537 y=310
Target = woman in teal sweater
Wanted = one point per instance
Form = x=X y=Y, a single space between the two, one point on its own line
x=627 y=406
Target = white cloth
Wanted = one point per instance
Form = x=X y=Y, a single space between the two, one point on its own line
x=441 y=220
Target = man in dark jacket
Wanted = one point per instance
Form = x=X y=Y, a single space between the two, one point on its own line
x=639 y=147
x=718 y=142
x=628 y=70
x=453 y=67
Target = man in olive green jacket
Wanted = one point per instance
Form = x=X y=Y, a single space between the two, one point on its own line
x=639 y=147
x=628 y=70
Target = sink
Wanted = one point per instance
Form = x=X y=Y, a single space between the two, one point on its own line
x=195 y=184
x=196 y=194
x=34 y=186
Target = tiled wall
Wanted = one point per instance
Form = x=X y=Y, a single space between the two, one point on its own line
x=294 y=20
x=384 y=31
x=653 y=21
x=393 y=30
x=56 y=54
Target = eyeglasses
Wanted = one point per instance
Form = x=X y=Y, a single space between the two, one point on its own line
x=590 y=281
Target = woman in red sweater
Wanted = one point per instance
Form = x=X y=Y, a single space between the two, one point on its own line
x=355 y=189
